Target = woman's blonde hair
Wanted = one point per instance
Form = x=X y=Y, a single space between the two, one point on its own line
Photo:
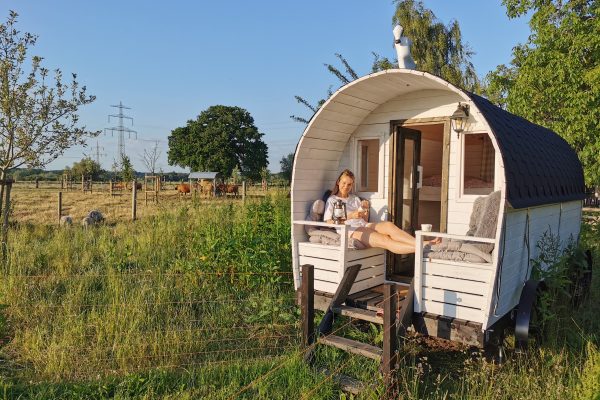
x=336 y=188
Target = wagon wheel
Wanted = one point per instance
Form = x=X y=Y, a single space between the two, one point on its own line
x=497 y=347
x=527 y=322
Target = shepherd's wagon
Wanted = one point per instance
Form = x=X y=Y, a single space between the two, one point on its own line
x=424 y=151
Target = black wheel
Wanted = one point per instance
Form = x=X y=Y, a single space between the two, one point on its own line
x=528 y=328
x=496 y=347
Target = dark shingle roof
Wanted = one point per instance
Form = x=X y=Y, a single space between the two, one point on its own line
x=540 y=166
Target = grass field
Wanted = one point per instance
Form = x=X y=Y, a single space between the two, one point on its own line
x=40 y=206
x=195 y=300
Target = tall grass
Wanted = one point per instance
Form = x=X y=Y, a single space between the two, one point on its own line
x=199 y=285
x=197 y=302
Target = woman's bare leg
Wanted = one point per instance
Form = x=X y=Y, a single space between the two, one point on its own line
x=373 y=238
x=388 y=228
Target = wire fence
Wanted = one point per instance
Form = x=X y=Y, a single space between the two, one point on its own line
x=133 y=335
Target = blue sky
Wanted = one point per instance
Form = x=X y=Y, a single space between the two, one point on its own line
x=169 y=61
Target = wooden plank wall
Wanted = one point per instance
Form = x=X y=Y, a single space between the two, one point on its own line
x=365 y=109
x=562 y=219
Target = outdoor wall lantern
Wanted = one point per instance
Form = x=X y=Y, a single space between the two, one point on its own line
x=459 y=118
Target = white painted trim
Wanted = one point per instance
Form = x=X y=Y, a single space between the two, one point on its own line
x=470 y=198
x=380 y=166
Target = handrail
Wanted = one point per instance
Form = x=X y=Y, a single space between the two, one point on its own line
x=317 y=223
x=452 y=236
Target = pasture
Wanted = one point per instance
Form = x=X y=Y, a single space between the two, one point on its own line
x=195 y=300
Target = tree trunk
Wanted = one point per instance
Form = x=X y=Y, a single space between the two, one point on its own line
x=2 y=177
x=6 y=213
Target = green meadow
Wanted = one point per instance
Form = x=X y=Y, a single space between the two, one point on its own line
x=197 y=301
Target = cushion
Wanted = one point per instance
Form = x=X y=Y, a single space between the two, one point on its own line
x=315 y=214
x=483 y=223
x=325 y=233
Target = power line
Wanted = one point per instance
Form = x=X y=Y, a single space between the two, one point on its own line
x=121 y=129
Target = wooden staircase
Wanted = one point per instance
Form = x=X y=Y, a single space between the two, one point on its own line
x=389 y=305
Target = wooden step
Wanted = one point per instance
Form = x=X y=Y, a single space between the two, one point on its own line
x=352 y=346
x=359 y=313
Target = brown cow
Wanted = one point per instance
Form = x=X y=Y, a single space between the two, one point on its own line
x=226 y=189
x=183 y=188
x=206 y=187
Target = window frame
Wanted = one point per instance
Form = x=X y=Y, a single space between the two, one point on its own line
x=380 y=166
x=461 y=196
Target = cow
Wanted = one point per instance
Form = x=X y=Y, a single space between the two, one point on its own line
x=183 y=188
x=206 y=187
x=226 y=189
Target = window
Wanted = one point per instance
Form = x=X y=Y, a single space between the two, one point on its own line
x=368 y=165
x=478 y=164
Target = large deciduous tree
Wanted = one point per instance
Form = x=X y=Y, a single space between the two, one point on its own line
x=554 y=78
x=38 y=110
x=219 y=139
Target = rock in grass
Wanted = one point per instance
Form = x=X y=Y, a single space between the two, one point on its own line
x=87 y=222
x=96 y=216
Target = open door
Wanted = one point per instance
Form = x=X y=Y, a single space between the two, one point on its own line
x=407 y=178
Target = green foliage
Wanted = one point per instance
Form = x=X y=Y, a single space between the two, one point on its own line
x=38 y=120
x=124 y=169
x=436 y=48
x=86 y=167
x=554 y=78
x=287 y=164
x=219 y=139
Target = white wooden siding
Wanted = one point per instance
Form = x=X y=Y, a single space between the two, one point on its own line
x=562 y=219
x=365 y=108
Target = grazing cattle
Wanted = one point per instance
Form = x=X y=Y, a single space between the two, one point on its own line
x=206 y=187
x=226 y=189
x=183 y=188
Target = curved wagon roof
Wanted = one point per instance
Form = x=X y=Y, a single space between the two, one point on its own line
x=540 y=166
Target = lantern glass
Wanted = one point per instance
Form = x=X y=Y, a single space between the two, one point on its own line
x=459 y=118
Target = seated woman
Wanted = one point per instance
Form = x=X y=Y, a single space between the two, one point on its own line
x=383 y=234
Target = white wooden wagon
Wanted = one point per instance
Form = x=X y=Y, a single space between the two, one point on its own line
x=393 y=129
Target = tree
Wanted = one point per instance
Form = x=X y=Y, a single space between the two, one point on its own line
x=126 y=169
x=219 y=139
x=86 y=167
x=38 y=112
x=554 y=78
x=150 y=158
x=436 y=48
x=287 y=163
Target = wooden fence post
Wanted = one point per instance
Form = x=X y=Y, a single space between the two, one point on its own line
x=243 y=190
x=307 y=307
x=390 y=339
x=82 y=183
x=6 y=211
x=133 y=200
x=110 y=188
x=59 y=206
